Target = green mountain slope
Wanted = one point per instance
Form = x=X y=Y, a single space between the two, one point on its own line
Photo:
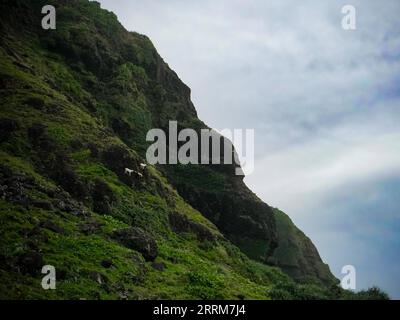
x=76 y=104
x=296 y=255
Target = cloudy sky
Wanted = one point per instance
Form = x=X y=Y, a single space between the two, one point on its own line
x=324 y=103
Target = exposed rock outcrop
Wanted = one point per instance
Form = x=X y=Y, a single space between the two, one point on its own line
x=137 y=239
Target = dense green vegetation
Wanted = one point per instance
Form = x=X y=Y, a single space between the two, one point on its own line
x=296 y=254
x=76 y=104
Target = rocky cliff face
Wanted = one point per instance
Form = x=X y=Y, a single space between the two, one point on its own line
x=76 y=104
x=296 y=254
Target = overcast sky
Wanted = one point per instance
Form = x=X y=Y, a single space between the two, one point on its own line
x=324 y=103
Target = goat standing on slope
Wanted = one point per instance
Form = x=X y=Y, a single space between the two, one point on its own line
x=129 y=171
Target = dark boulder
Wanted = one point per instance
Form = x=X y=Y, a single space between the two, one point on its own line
x=107 y=263
x=102 y=197
x=65 y=203
x=139 y=240
x=90 y=227
x=178 y=222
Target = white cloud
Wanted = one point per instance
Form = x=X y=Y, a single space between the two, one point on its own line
x=307 y=172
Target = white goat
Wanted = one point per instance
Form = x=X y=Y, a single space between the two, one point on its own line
x=143 y=165
x=130 y=171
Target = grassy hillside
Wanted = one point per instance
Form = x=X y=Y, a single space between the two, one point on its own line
x=76 y=104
